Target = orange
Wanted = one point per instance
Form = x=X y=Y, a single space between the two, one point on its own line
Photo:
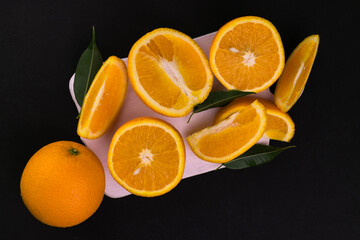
x=247 y=54
x=103 y=99
x=296 y=73
x=63 y=184
x=279 y=125
x=230 y=137
x=169 y=72
x=147 y=156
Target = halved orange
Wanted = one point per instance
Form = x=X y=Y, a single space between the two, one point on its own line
x=247 y=54
x=103 y=99
x=147 y=156
x=230 y=137
x=169 y=72
x=279 y=125
x=296 y=72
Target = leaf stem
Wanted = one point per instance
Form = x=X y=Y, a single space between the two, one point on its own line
x=190 y=117
x=73 y=151
x=219 y=167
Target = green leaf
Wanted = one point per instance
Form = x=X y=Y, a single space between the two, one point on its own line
x=86 y=69
x=218 y=99
x=255 y=156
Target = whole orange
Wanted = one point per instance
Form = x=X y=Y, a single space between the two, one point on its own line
x=63 y=184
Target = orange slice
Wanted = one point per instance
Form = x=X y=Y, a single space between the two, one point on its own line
x=169 y=72
x=279 y=125
x=103 y=99
x=147 y=156
x=230 y=137
x=296 y=72
x=247 y=54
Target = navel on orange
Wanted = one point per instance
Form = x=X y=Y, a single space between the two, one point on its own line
x=279 y=125
x=247 y=54
x=63 y=184
x=103 y=99
x=169 y=72
x=296 y=73
x=147 y=156
x=230 y=137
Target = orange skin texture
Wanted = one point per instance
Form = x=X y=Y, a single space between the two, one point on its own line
x=62 y=188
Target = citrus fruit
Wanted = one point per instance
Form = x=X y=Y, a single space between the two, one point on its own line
x=169 y=72
x=230 y=137
x=147 y=156
x=296 y=72
x=247 y=54
x=63 y=184
x=103 y=99
x=279 y=125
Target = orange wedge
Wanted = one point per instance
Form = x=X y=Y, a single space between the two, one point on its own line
x=292 y=82
x=147 y=157
x=247 y=54
x=279 y=125
x=169 y=72
x=230 y=137
x=103 y=99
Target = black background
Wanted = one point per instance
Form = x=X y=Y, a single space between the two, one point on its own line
x=308 y=192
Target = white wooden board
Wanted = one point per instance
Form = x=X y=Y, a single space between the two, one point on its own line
x=133 y=107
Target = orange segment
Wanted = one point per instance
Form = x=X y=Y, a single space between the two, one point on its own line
x=296 y=72
x=230 y=137
x=103 y=99
x=147 y=156
x=279 y=125
x=247 y=54
x=169 y=72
